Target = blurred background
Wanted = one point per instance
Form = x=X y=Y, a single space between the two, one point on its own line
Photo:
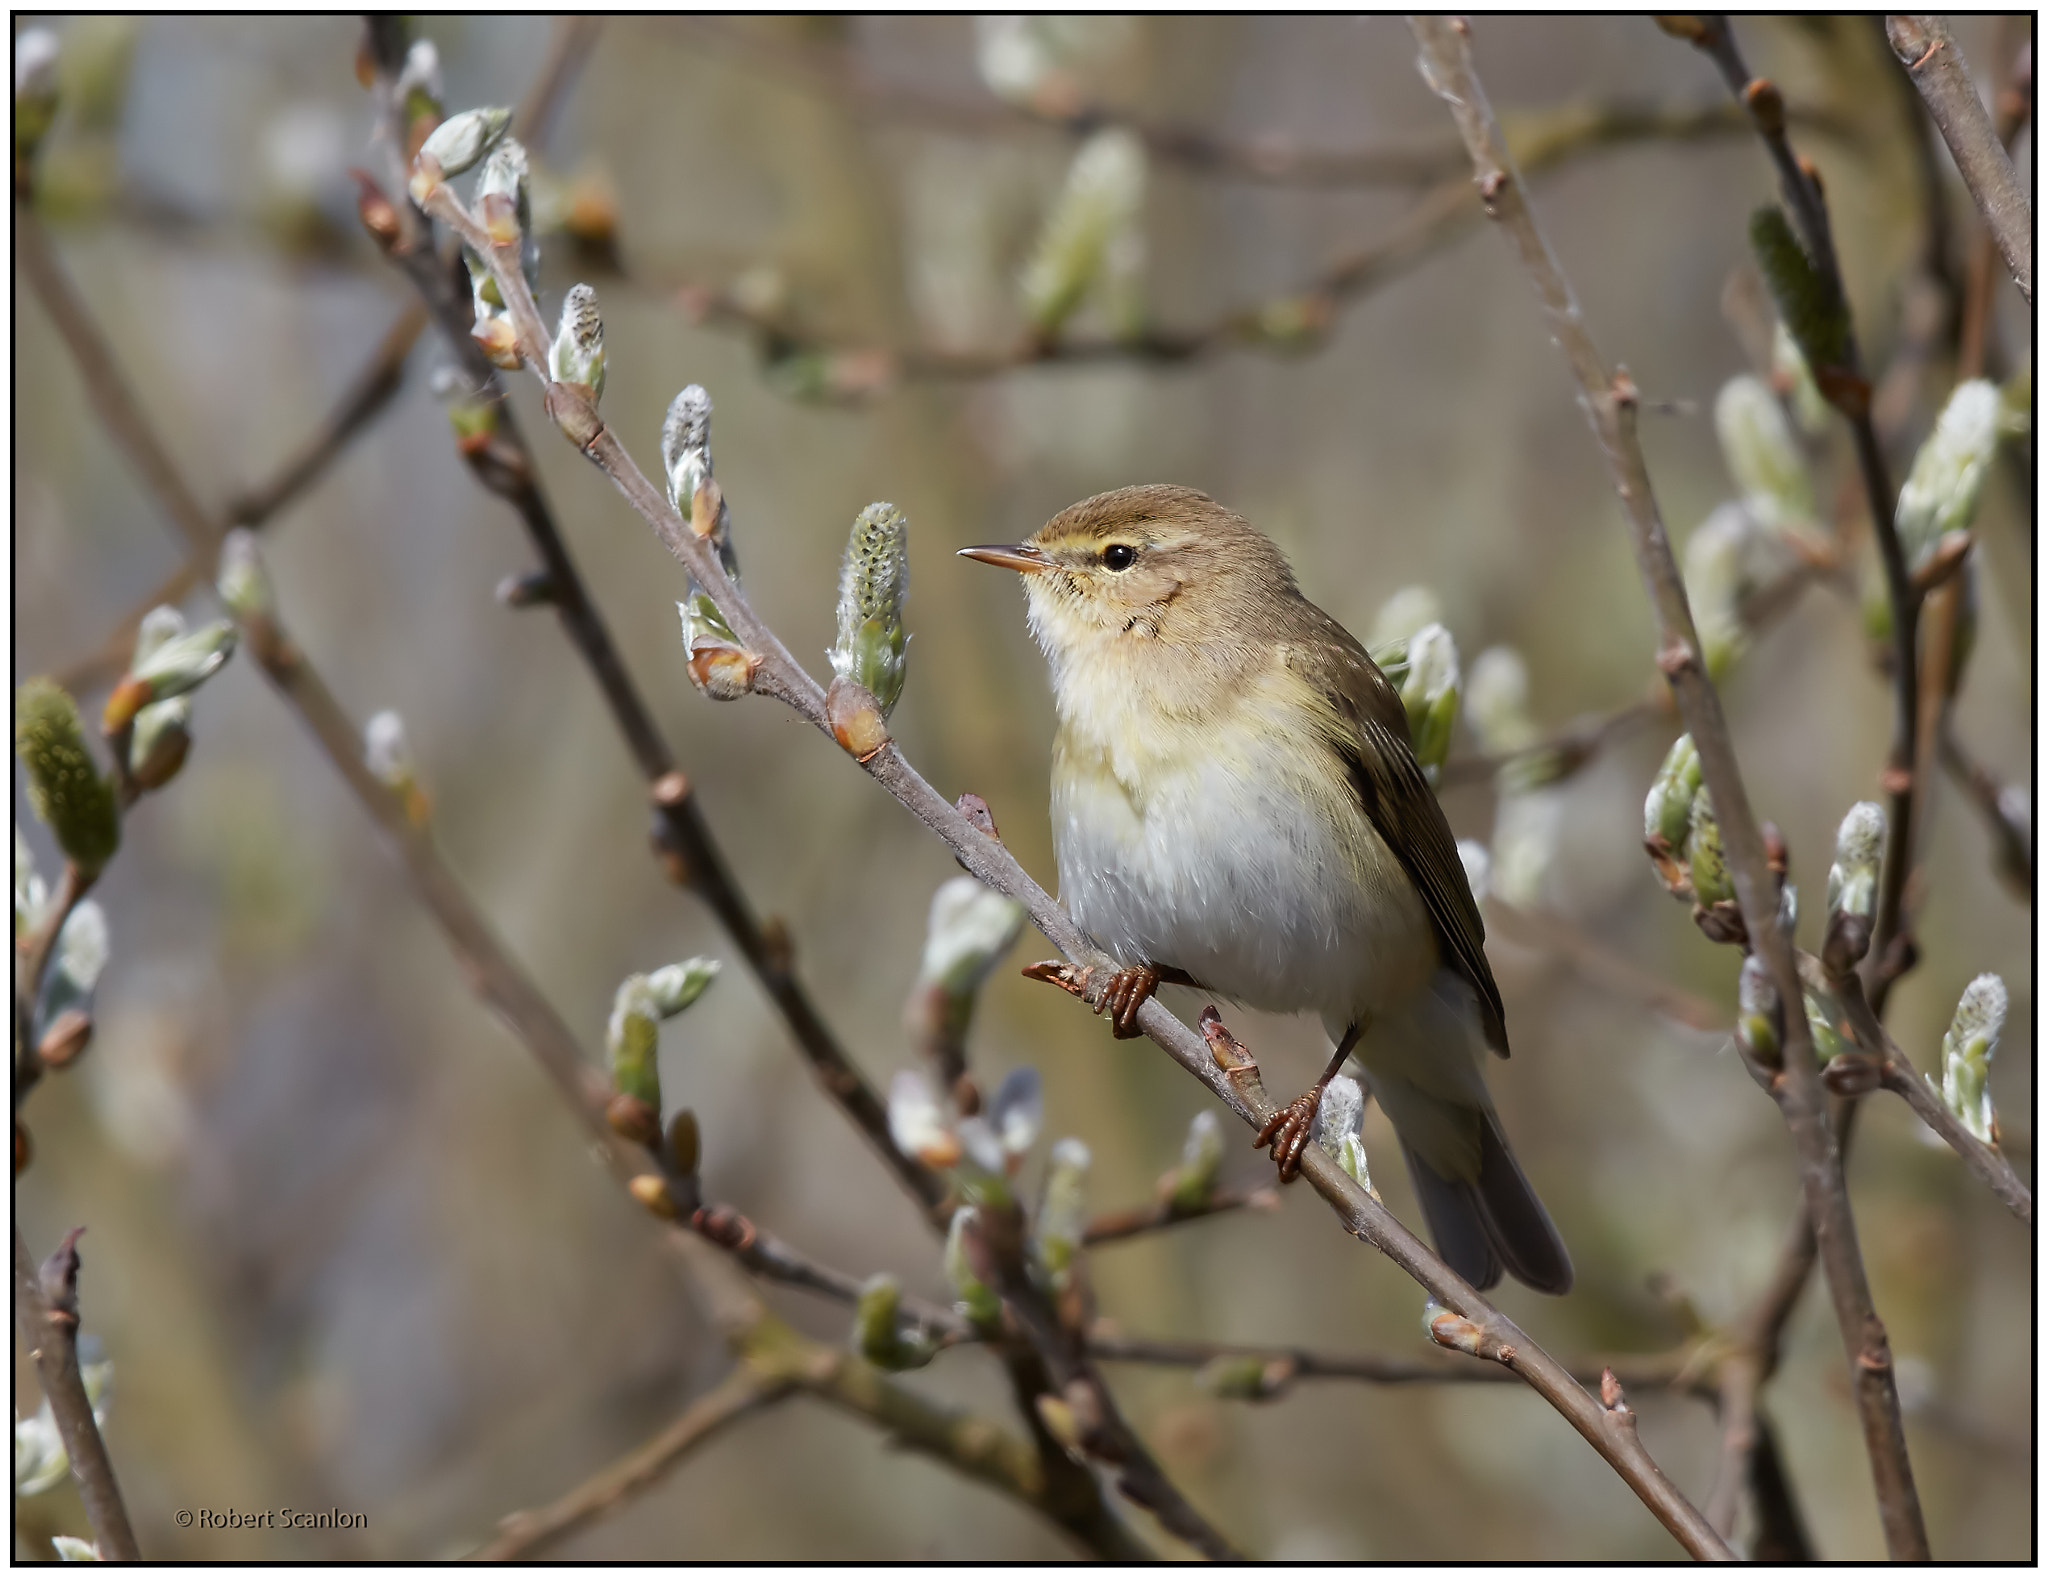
x=346 y=1248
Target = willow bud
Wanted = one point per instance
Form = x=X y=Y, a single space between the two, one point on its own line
x=1016 y=1114
x=1429 y=694
x=1762 y=455
x=1201 y=1159
x=31 y=893
x=244 y=582
x=1063 y=1214
x=719 y=665
x=1941 y=492
x=1760 y=1015
x=1711 y=882
x=1859 y=849
x=675 y=987
x=1497 y=701
x=75 y=968
x=1790 y=373
x=35 y=91
x=64 y=785
x=504 y=205
x=968 y=1268
x=455 y=146
x=873 y=581
x=1667 y=813
x=1966 y=1053
x=1092 y=232
x=917 y=1124
x=577 y=356
x=1809 y=301
x=878 y=1336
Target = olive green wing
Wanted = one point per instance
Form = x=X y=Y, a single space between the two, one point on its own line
x=1403 y=808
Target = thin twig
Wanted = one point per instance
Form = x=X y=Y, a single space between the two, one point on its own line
x=1115 y=1227
x=778 y=675
x=1898 y=1075
x=971 y=1445
x=1930 y=55
x=2006 y=813
x=1608 y=402
x=1681 y=1371
x=524 y=1535
x=46 y=1315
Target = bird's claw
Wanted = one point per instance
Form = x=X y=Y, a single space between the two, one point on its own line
x=1125 y=995
x=1288 y=1132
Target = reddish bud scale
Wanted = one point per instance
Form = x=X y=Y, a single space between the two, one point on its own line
x=856 y=719
x=129 y=697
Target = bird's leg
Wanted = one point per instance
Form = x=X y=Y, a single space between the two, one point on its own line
x=1288 y=1130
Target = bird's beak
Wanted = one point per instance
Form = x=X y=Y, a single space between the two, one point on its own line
x=1009 y=556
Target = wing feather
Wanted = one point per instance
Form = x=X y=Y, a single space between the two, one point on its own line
x=1403 y=808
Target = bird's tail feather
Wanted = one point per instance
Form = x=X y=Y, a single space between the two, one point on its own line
x=1493 y=1222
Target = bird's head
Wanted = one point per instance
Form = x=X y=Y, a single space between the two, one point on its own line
x=1157 y=564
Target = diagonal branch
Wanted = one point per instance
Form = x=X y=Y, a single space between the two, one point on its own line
x=1930 y=55
x=524 y=1535
x=777 y=674
x=46 y=1315
x=1608 y=403
x=967 y=1443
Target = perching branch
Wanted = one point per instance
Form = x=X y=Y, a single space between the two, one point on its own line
x=775 y=673
x=46 y=1315
x=1116 y=1227
x=1608 y=402
x=967 y=1443
x=1930 y=55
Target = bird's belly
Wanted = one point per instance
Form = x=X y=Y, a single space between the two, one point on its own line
x=1245 y=882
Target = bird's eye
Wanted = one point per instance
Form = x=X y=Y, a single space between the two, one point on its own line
x=1119 y=556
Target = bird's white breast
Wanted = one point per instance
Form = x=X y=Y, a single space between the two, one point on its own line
x=1231 y=847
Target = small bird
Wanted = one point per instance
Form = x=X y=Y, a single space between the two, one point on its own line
x=1236 y=806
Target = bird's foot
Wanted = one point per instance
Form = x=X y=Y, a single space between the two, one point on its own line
x=1125 y=995
x=1120 y=997
x=1288 y=1132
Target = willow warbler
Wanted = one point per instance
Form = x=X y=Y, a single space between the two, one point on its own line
x=1236 y=805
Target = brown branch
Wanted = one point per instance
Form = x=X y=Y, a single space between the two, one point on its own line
x=524 y=1535
x=2013 y=108
x=777 y=674
x=46 y=1315
x=1896 y=1073
x=2005 y=813
x=367 y=394
x=1608 y=402
x=1115 y=1227
x=683 y=841
x=970 y=1445
x=1681 y=1371
x=1931 y=56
